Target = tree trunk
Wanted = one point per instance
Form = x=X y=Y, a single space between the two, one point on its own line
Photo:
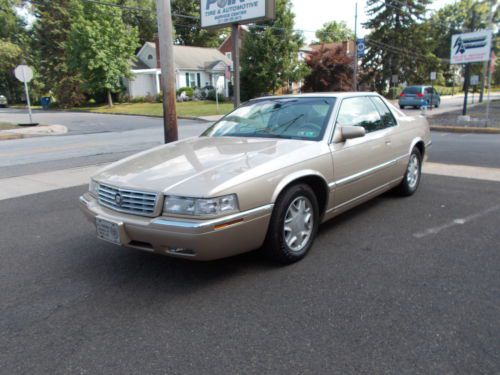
x=110 y=99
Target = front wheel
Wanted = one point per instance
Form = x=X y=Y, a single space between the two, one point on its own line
x=413 y=172
x=293 y=225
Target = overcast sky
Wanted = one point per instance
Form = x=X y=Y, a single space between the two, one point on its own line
x=312 y=14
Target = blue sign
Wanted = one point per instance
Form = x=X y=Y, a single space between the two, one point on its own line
x=360 y=45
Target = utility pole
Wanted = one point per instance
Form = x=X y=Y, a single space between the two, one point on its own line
x=489 y=70
x=235 y=35
x=486 y=64
x=165 y=36
x=355 y=70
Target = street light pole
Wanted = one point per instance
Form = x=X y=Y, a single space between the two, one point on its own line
x=165 y=43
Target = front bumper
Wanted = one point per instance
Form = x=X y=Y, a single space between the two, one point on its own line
x=194 y=239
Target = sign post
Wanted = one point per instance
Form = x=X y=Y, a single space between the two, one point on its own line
x=433 y=78
x=25 y=74
x=469 y=48
x=224 y=13
x=474 y=81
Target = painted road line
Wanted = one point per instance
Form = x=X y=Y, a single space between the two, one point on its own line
x=13 y=187
x=462 y=171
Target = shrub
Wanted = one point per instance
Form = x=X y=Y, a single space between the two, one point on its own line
x=137 y=99
x=188 y=90
x=211 y=96
x=150 y=98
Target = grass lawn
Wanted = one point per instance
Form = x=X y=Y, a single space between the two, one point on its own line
x=8 y=126
x=186 y=109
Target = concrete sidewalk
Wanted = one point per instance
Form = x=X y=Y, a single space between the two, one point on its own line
x=41 y=182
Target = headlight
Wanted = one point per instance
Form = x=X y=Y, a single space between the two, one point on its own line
x=94 y=188
x=201 y=206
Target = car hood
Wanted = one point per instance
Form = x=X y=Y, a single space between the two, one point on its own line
x=204 y=166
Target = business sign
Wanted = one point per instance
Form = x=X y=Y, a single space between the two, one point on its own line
x=471 y=47
x=360 y=45
x=222 y=13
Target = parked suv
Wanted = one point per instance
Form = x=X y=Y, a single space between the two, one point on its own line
x=419 y=96
x=3 y=101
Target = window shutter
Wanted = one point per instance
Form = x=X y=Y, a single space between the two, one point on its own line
x=187 y=80
x=198 y=78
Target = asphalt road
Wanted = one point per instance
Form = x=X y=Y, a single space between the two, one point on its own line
x=397 y=286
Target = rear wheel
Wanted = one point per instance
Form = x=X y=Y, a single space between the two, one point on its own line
x=411 y=180
x=402 y=106
x=293 y=225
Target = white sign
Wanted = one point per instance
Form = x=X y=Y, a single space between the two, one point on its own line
x=23 y=73
x=471 y=47
x=433 y=76
x=221 y=13
x=394 y=78
x=474 y=80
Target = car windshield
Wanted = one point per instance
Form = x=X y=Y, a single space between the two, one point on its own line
x=289 y=118
x=413 y=90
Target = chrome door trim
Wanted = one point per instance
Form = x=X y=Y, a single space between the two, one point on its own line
x=365 y=173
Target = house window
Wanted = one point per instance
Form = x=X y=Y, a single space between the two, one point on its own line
x=150 y=57
x=229 y=55
x=193 y=80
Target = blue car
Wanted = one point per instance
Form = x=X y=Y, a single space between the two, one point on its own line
x=418 y=97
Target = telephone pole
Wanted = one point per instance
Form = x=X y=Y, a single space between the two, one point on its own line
x=355 y=67
x=165 y=43
x=235 y=35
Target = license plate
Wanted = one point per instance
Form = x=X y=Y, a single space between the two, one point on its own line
x=108 y=231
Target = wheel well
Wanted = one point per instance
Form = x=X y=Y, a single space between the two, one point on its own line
x=320 y=188
x=421 y=147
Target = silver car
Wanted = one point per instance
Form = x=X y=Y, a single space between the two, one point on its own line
x=266 y=175
x=418 y=97
x=3 y=101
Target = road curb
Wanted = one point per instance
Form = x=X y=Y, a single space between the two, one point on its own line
x=464 y=129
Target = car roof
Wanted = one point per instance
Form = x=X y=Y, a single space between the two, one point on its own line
x=340 y=94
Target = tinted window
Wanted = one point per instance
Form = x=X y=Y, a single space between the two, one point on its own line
x=386 y=115
x=413 y=90
x=429 y=90
x=292 y=118
x=360 y=112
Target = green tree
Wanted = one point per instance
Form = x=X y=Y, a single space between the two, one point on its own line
x=399 y=43
x=13 y=41
x=51 y=32
x=142 y=15
x=188 y=31
x=101 y=47
x=269 y=57
x=334 y=32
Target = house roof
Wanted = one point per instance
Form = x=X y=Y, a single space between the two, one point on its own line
x=195 y=58
x=138 y=64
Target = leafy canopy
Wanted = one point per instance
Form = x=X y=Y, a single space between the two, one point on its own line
x=334 y=32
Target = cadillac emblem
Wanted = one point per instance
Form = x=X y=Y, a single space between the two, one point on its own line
x=118 y=199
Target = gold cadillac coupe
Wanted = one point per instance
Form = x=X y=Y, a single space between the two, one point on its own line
x=264 y=176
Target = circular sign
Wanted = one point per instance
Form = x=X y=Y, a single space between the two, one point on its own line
x=23 y=73
x=361 y=47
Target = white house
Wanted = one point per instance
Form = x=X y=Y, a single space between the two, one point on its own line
x=194 y=67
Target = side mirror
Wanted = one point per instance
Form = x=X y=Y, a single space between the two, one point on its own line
x=350 y=132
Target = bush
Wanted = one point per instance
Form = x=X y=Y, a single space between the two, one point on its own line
x=394 y=92
x=137 y=99
x=211 y=96
x=188 y=90
x=150 y=98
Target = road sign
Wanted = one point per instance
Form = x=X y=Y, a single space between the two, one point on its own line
x=471 y=47
x=360 y=42
x=474 y=80
x=222 y=13
x=23 y=73
x=394 y=78
x=433 y=76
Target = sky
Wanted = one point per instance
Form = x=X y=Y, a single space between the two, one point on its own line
x=312 y=14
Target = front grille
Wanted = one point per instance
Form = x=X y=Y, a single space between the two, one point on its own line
x=128 y=201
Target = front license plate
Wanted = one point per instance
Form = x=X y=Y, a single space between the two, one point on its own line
x=108 y=231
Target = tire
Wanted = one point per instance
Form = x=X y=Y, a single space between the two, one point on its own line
x=413 y=174
x=438 y=104
x=402 y=107
x=279 y=244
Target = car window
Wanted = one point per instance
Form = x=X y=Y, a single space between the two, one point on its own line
x=291 y=118
x=360 y=111
x=385 y=113
x=429 y=90
x=413 y=90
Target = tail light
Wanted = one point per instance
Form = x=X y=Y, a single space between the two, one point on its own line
x=420 y=95
x=402 y=94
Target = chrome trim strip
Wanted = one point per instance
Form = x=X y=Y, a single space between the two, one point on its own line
x=362 y=195
x=360 y=175
x=216 y=221
x=83 y=200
